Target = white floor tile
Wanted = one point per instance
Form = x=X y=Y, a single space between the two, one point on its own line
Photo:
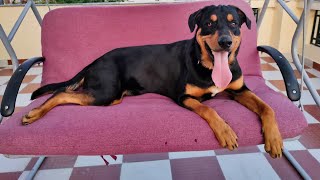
x=23 y=100
x=4 y=79
x=151 y=170
x=190 y=154
x=246 y=166
x=23 y=85
x=261 y=148
x=293 y=66
x=24 y=175
x=293 y=145
x=37 y=79
x=306 y=98
x=35 y=71
x=272 y=75
x=2 y=89
x=310 y=119
x=83 y=161
x=13 y=165
x=314 y=72
x=315 y=82
x=274 y=65
x=315 y=153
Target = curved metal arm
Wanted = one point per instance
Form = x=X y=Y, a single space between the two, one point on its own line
x=291 y=83
x=12 y=89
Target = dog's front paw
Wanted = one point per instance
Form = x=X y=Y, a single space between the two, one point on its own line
x=31 y=117
x=226 y=136
x=273 y=141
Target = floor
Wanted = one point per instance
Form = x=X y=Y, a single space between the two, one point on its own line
x=218 y=164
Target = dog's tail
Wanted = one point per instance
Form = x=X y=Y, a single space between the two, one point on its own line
x=71 y=84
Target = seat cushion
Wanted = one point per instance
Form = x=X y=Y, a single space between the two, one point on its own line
x=140 y=124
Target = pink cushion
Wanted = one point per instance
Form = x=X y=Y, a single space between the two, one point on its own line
x=147 y=123
x=74 y=37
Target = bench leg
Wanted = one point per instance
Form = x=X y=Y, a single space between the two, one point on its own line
x=295 y=164
x=35 y=168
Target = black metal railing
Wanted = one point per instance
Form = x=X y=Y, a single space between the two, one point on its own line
x=315 y=35
x=256 y=13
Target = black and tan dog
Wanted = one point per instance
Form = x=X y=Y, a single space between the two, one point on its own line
x=188 y=72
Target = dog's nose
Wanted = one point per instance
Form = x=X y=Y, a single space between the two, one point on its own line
x=225 y=42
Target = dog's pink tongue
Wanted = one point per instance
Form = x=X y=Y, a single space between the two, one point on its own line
x=221 y=74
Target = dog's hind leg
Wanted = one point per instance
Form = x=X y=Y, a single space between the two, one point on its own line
x=64 y=97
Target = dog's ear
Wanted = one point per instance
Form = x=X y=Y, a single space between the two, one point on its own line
x=243 y=17
x=194 y=19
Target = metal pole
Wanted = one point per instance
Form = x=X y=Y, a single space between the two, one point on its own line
x=262 y=13
x=9 y=48
x=295 y=57
x=35 y=168
x=19 y=21
x=296 y=165
x=36 y=12
x=289 y=11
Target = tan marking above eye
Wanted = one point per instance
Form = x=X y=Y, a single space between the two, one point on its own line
x=230 y=17
x=214 y=17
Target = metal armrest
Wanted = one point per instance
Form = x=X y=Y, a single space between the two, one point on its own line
x=291 y=83
x=12 y=89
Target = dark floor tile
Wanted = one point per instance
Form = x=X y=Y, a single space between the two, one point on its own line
x=6 y=72
x=313 y=110
x=10 y=175
x=30 y=88
x=311 y=137
x=308 y=163
x=240 y=150
x=267 y=67
x=111 y=172
x=202 y=168
x=283 y=168
x=145 y=157
x=54 y=162
x=29 y=78
x=316 y=66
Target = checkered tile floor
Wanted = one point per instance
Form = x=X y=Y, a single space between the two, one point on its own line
x=245 y=163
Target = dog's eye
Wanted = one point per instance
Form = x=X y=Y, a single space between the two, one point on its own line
x=209 y=24
x=233 y=24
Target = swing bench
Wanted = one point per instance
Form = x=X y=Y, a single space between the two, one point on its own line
x=74 y=37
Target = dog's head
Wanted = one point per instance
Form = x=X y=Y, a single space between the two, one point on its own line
x=218 y=35
x=218 y=28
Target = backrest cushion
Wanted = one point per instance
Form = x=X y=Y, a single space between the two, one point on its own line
x=74 y=37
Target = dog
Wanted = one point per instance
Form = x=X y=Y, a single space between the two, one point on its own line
x=188 y=72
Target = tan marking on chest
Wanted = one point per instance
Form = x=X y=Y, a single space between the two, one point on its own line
x=199 y=92
x=237 y=84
